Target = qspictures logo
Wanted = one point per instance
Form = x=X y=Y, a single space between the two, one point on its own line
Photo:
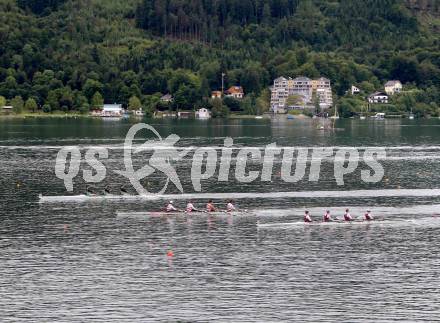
x=208 y=162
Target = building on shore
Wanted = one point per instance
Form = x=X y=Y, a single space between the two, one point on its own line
x=185 y=114
x=279 y=95
x=108 y=110
x=7 y=109
x=235 y=92
x=302 y=90
x=112 y=110
x=203 y=113
x=325 y=98
x=216 y=94
x=165 y=114
x=378 y=98
x=393 y=87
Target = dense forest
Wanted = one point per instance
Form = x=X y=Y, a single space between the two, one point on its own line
x=73 y=55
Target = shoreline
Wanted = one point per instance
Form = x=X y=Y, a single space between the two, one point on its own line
x=231 y=116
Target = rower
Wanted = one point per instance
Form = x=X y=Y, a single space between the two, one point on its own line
x=307 y=218
x=210 y=207
x=327 y=217
x=369 y=216
x=190 y=207
x=170 y=207
x=106 y=190
x=230 y=207
x=347 y=216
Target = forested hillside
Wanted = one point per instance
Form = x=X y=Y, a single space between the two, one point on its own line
x=68 y=55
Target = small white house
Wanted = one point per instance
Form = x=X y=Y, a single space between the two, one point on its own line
x=378 y=97
x=167 y=98
x=355 y=90
x=203 y=113
x=112 y=110
x=7 y=109
x=235 y=92
x=393 y=87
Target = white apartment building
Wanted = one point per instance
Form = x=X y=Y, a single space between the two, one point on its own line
x=303 y=87
x=278 y=99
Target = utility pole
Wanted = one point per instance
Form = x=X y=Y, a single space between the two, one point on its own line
x=223 y=83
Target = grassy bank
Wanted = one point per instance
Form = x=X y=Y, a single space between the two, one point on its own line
x=44 y=115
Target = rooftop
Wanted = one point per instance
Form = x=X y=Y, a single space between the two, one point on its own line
x=112 y=107
x=392 y=83
x=302 y=79
x=377 y=94
x=235 y=89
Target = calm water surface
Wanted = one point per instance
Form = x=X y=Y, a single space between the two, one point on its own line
x=65 y=262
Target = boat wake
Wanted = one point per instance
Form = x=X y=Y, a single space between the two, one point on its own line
x=252 y=195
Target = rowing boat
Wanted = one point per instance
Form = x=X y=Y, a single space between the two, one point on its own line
x=171 y=214
x=427 y=221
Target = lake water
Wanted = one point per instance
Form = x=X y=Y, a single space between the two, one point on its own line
x=78 y=261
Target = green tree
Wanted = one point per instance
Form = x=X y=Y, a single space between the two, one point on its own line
x=316 y=103
x=347 y=107
x=97 y=101
x=17 y=104
x=219 y=110
x=295 y=100
x=47 y=108
x=52 y=100
x=2 y=101
x=248 y=105
x=80 y=102
x=134 y=103
x=406 y=102
x=66 y=98
x=91 y=87
x=232 y=104
x=31 y=105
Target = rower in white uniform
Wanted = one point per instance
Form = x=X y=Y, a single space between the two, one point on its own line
x=170 y=207
x=327 y=217
x=347 y=216
x=230 y=207
x=190 y=207
x=307 y=217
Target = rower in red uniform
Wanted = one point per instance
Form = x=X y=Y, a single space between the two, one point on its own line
x=327 y=217
x=210 y=207
x=347 y=216
x=307 y=218
x=369 y=216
